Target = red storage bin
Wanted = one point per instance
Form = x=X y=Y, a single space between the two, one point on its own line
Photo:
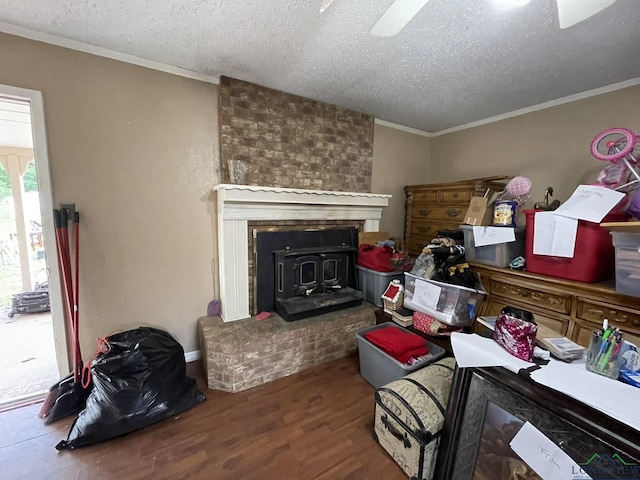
x=593 y=259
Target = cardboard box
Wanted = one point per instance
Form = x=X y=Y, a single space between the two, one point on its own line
x=480 y=211
x=371 y=238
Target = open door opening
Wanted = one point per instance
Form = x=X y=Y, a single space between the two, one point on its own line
x=32 y=337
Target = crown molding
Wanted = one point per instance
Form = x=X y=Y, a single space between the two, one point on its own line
x=397 y=126
x=541 y=106
x=105 y=52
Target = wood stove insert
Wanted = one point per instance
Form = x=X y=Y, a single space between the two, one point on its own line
x=313 y=281
x=303 y=273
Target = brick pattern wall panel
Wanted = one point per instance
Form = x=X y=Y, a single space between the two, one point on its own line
x=244 y=354
x=293 y=142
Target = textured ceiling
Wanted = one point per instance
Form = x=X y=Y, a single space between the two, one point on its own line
x=456 y=62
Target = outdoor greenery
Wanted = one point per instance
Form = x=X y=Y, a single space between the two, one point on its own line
x=29 y=178
x=10 y=276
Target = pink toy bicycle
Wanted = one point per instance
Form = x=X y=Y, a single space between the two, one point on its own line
x=617 y=146
x=621 y=147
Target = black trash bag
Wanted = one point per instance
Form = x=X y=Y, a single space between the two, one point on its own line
x=140 y=381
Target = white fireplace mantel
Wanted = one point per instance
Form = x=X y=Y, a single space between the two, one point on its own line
x=239 y=204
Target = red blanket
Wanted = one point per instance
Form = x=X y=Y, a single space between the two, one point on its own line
x=398 y=343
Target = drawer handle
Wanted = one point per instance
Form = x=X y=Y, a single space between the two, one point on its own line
x=395 y=432
x=547 y=298
x=453 y=212
x=424 y=229
x=537 y=296
x=424 y=213
x=617 y=316
x=455 y=195
x=514 y=290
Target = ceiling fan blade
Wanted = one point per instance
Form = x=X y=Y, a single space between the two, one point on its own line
x=571 y=12
x=325 y=5
x=396 y=17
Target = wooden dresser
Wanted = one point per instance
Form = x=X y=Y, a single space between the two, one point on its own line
x=440 y=206
x=572 y=309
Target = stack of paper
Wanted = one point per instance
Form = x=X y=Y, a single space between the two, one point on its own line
x=562 y=348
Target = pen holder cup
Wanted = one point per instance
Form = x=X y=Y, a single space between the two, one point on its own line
x=603 y=357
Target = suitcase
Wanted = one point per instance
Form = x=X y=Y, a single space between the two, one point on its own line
x=30 y=302
x=409 y=415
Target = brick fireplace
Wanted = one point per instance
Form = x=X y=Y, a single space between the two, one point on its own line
x=240 y=352
x=247 y=353
x=237 y=205
x=308 y=167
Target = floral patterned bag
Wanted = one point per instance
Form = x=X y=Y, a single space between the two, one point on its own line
x=516 y=332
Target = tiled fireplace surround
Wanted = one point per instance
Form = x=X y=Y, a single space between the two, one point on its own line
x=240 y=352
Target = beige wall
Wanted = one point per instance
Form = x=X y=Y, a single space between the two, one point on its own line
x=135 y=149
x=549 y=146
x=399 y=158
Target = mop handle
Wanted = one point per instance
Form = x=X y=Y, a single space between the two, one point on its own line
x=76 y=318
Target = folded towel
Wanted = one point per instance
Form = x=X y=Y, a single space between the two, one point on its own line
x=397 y=343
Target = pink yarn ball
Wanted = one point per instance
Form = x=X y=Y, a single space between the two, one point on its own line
x=519 y=187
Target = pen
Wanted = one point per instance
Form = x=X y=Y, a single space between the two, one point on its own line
x=612 y=350
x=604 y=343
x=603 y=363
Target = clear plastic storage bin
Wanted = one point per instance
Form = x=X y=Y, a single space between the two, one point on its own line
x=499 y=255
x=451 y=304
x=627 y=247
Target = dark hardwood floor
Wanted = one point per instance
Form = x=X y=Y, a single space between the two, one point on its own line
x=313 y=425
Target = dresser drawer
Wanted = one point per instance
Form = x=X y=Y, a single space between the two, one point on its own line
x=558 y=326
x=582 y=333
x=551 y=301
x=447 y=213
x=415 y=244
x=430 y=196
x=455 y=196
x=618 y=317
x=431 y=229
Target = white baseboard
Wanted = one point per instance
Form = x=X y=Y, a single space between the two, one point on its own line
x=192 y=356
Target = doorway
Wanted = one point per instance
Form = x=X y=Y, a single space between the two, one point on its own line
x=33 y=353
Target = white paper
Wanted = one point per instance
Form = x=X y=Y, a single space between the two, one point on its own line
x=589 y=202
x=483 y=236
x=489 y=322
x=614 y=398
x=543 y=456
x=554 y=235
x=426 y=295
x=472 y=350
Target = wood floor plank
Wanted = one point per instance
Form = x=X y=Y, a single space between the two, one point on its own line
x=309 y=426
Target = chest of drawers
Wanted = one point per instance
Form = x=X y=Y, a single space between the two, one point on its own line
x=568 y=308
x=440 y=206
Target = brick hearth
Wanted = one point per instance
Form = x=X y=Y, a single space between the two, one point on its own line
x=247 y=353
